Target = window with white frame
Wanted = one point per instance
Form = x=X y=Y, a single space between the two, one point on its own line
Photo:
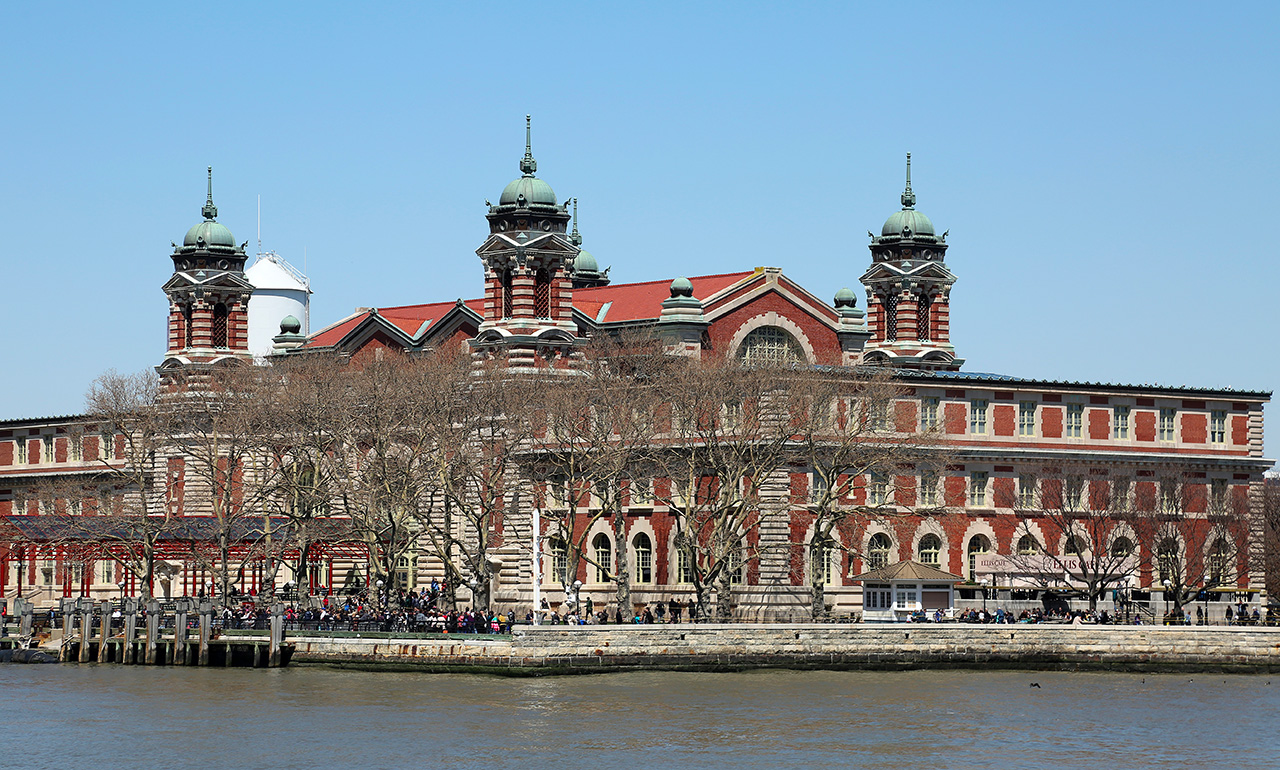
x=928 y=488
x=817 y=487
x=1075 y=420
x=75 y=448
x=1217 y=427
x=1073 y=494
x=1026 y=491
x=1218 y=495
x=602 y=551
x=878 y=550
x=559 y=561
x=736 y=567
x=1026 y=418
x=106 y=446
x=826 y=556
x=977 y=489
x=928 y=413
x=20 y=445
x=978 y=416
x=47 y=455
x=644 y=558
x=684 y=566
x=1168 y=423
x=1169 y=500
x=1120 y=491
x=878 y=489
x=641 y=491
x=1028 y=545
x=931 y=551
x=1120 y=422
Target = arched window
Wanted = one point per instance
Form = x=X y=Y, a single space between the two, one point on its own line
x=507 y=301
x=931 y=551
x=644 y=558
x=602 y=550
x=878 y=550
x=1028 y=545
x=559 y=561
x=218 y=331
x=684 y=566
x=770 y=345
x=542 y=293
x=1218 y=561
x=1073 y=546
x=891 y=317
x=978 y=545
x=1121 y=547
x=923 y=306
x=826 y=557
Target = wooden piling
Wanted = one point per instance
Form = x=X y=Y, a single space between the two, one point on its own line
x=104 y=636
x=130 y=630
x=277 y=635
x=206 y=620
x=68 y=609
x=180 y=633
x=86 y=628
x=153 y=631
x=26 y=611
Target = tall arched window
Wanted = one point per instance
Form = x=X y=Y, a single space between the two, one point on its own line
x=878 y=550
x=1121 y=547
x=684 y=566
x=218 y=331
x=891 y=317
x=978 y=545
x=1167 y=560
x=826 y=560
x=1219 y=558
x=931 y=551
x=602 y=550
x=923 y=305
x=1027 y=545
x=507 y=301
x=643 y=547
x=186 y=326
x=1073 y=546
x=559 y=561
x=770 y=345
x=542 y=293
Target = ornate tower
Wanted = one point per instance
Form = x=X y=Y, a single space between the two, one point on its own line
x=528 y=260
x=208 y=296
x=586 y=271
x=908 y=292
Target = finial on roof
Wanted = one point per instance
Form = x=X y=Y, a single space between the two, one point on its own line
x=528 y=165
x=908 y=197
x=210 y=211
x=574 y=237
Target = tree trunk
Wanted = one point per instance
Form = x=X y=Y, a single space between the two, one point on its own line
x=622 y=572
x=724 y=596
x=817 y=581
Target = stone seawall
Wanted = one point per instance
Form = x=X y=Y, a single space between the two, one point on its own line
x=593 y=649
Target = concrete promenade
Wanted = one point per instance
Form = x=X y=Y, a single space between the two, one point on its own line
x=533 y=651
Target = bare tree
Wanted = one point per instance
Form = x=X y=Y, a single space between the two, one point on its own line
x=1076 y=530
x=864 y=448
x=724 y=434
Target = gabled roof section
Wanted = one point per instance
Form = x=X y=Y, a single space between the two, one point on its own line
x=908 y=570
x=409 y=322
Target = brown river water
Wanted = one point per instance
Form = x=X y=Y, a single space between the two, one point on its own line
x=105 y=717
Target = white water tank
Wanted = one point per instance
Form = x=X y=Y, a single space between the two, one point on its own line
x=279 y=289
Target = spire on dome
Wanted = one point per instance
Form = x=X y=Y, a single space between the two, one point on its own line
x=210 y=211
x=574 y=237
x=528 y=165
x=908 y=197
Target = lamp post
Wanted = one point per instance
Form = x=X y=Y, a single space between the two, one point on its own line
x=986 y=581
x=1167 y=587
x=577 y=598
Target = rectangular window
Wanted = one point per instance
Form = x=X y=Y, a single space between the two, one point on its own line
x=1169 y=502
x=978 y=416
x=877 y=489
x=641 y=491
x=1120 y=491
x=105 y=446
x=20 y=444
x=977 y=489
x=1217 y=427
x=928 y=489
x=1075 y=420
x=928 y=413
x=76 y=443
x=817 y=487
x=1026 y=491
x=1120 y=429
x=47 y=455
x=1218 y=496
x=1026 y=418
x=1073 y=494
x=1168 y=422
x=684 y=566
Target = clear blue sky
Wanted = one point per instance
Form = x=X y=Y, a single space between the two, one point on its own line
x=1108 y=174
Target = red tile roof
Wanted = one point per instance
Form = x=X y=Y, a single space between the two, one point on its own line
x=638 y=301
x=626 y=302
